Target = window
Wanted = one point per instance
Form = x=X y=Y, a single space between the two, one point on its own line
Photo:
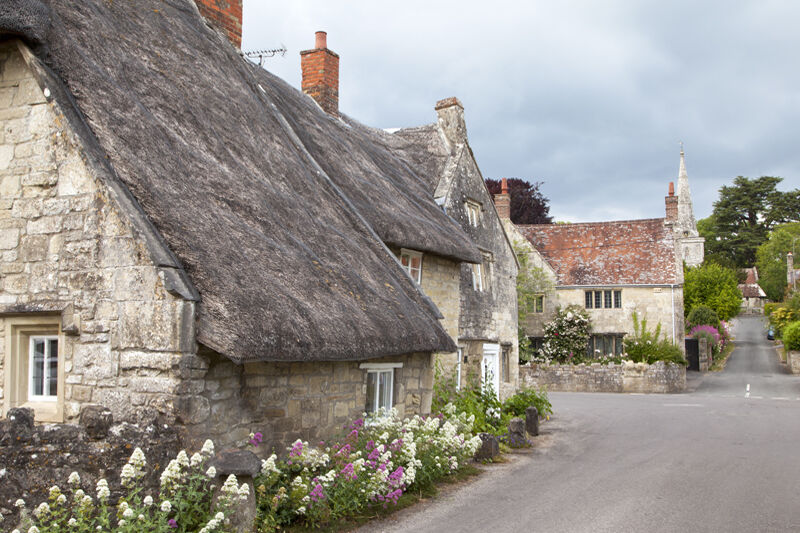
x=506 y=361
x=477 y=277
x=473 y=212
x=605 y=299
x=412 y=262
x=610 y=344
x=33 y=364
x=481 y=273
x=538 y=303
x=380 y=385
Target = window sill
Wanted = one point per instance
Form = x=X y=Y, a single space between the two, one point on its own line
x=45 y=411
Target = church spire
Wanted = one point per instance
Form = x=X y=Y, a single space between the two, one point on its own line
x=686 y=221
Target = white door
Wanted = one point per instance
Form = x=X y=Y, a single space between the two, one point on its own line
x=490 y=367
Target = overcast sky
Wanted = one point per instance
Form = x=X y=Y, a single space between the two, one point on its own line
x=590 y=98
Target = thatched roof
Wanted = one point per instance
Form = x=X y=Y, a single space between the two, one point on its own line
x=622 y=252
x=215 y=154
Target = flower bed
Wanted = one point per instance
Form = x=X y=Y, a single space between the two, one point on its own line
x=378 y=460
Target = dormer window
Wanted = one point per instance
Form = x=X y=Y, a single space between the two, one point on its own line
x=481 y=272
x=473 y=212
x=412 y=262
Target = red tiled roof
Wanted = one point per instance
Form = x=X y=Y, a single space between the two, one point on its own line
x=752 y=276
x=752 y=290
x=622 y=252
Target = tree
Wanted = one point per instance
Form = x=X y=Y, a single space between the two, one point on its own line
x=528 y=204
x=743 y=216
x=714 y=286
x=771 y=259
x=532 y=286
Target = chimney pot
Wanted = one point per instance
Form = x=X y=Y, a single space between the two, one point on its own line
x=504 y=186
x=225 y=16
x=671 y=188
x=321 y=40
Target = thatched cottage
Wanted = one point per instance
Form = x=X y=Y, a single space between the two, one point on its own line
x=186 y=238
x=615 y=268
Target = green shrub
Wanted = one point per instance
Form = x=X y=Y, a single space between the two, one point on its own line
x=647 y=347
x=770 y=307
x=517 y=404
x=782 y=317
x=703 y=315
x=714 y=286
x=791 y=336
x=566 y=336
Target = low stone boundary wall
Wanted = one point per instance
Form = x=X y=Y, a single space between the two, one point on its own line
x=793 y=360
x=660 y=377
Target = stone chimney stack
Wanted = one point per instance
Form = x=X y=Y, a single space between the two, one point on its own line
x=451 y=120
x=671 y=202
x=320 y=68
x=225 y=15
x=790 y=269
x=502 y=202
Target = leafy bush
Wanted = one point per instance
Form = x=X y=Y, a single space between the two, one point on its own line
x=184 y=501
x=711 y=335
x=770 y=307
x=647 y=347
x=782 y=317
x=379 y=459
x=703 y=315
x=714 y=286
x=566 y=336
x=791 y=336
x=517 y=404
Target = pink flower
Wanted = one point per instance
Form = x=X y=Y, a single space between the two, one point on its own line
x=172 y=523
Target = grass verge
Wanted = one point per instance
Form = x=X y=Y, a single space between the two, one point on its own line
x=722 y=359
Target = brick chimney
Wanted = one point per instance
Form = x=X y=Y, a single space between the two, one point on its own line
x=502 y=201
x=321 y=74
x=225 y=15
x=671 y=202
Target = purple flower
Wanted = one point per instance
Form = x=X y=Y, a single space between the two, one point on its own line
x=257 y=438
x=297 y=449
x=353 y=433
x=317 y=494
x=172 y=523
x=348 y=472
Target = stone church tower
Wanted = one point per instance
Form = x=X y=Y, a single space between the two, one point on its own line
x=689 y=244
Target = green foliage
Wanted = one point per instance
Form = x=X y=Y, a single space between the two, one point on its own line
x=532 y=284
x=791 y=336
x=770 y=307
x=713 y=286
x=744 y=214
x=702 y=314
x=647 y=347
x=771 y=259
x=782 y=317
x=566 y=336
x=516 y=405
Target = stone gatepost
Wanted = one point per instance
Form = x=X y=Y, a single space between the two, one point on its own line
x=532 y=421
x=245 y=465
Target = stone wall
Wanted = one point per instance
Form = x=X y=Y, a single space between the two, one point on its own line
x=67 y=251
x=289 y=401
x=793 y=360
x=626 y=377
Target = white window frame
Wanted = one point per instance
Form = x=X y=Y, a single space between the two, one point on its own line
x=379 y=368
x=473 y=209
x=411 y=254
x=45 y=370
x=458 y=368
x=477 y=277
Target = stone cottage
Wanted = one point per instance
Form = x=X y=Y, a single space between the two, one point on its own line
x=195 y=242
x=753 y=296
x=615 y=268
x=487 y=333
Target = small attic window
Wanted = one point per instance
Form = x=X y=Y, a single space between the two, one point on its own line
x=412 y=262
x=473 y=212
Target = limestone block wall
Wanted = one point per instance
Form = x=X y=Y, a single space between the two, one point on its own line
x=627 y=377
x=65 y=248
x=793 y=359
x=289 y=401
x=662 y=305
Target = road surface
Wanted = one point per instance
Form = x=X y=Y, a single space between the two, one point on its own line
x=724 y=457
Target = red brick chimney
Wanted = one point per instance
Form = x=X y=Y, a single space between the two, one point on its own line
x=502 y=201
x=321 y=74
x=671 y=202
x=225 y=15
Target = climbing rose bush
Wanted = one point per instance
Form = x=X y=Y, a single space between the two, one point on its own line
x=565 y=337
x=378 y=459
x=183 y=504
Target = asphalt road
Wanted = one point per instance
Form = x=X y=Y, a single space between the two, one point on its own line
x=719 y=458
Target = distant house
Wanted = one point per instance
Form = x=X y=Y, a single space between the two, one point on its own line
x=753 y=296
x=195 y=241
x=615 y=268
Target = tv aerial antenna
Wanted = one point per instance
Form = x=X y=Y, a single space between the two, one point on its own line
x=263 y=54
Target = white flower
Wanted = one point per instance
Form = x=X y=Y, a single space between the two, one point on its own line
x=20 y=503
x=121 y=523
x=219 y=516
x=211 y=472
x=33 y=529
x=74 y=479
x=182 y=458
x=137 y=458
x=61 y=500
x=208 y=448
x=244 y=491
x=166 y=506
x=43 y=508
x=196 y=459
x=102 y=490
x=148 y=500
x=128 y=513
x=301 y=510
x=123 y=506
x=86 y=500
x=128 y=473
x=72 y=522
x=140 y=517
